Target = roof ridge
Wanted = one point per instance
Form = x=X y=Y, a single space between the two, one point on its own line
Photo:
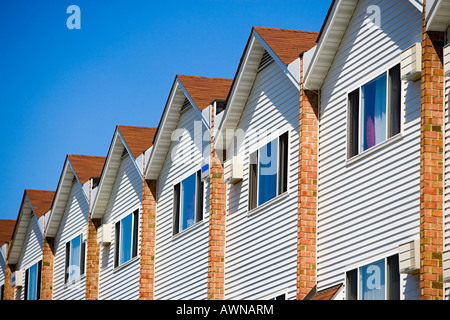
x=284 y=29
x=203 y=77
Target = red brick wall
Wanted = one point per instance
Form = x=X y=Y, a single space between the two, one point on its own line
x=9 y=291
x=92 y=260
x=148 y=220
x=47 y=270
x=92 y=255
x=431 y=165
x=217 y=216
x=307 y=190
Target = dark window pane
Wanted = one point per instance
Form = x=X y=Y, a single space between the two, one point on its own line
x=353 y=119
x=267 y=174
x=394 y=100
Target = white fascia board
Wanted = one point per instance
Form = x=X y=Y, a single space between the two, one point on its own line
x=51 y=218
x=437 y=15
x=160 y=130
x=219 y=132
x=16 y=245
x=289 y=71
x=100 y=187
x=329 y=25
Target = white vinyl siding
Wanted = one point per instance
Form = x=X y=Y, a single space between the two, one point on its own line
x=261 y=247
x=369 y=206
x=121 y=283
x=31 y=251
x=74 y=219
x=447 y=174
x=2 y=264
x=181 y=262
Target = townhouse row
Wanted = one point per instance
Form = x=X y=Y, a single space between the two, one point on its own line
x=319 y=171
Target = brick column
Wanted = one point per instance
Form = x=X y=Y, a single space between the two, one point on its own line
x=217 y=219
x=9 y=269
x=431 y=165
x=47 y=269
x=92 y=260
x=148 y=222
x=92 y=254
x=307 y=190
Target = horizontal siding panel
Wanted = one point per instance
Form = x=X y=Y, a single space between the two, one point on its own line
x=121 y=283
x=75 y=217
x=261 y=247
x=369 y=206
x=181 y=261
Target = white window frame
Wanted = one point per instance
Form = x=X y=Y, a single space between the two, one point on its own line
x=180 y=231
x=69 y=264
x=135 y=214
x=288 y=151
x=361 y=265
x=361 y=154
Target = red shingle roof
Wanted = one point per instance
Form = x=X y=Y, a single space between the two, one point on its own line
x=287 y=44
x=6 y=230
x=203 y=90
x=326 y=294
x=138 y=139
x=41 y=200
x=86 y=167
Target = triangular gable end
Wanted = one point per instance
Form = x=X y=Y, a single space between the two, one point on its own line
x=34 y=203
x=77 y=168
x=284 y=47
x=126 y=140
x=186 y=91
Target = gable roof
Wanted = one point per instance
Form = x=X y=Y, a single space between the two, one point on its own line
x=78 y=167
x=284 y=46
x=287 y=44
x=6 y=230
x=200 y=91
x=34 y=202
x=203 y=90
x=136 y=141
x=86 y=167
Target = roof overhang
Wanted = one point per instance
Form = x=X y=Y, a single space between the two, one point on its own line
x=332 y=32
x=437 y=15
x=243 y=82
x=109 y=173
x=167 y=126
x=26 y=213
x=63 y=191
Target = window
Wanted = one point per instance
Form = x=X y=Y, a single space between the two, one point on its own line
x=75 y=259
x=33 y=282
x=188 y=202
x=374 y=112
x=126 y=238
x=379 y=280
x=268 y=171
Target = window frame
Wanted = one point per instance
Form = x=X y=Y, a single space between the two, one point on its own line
x=352 y=154
x=68 y=259
x=27 y=288
x=177 y=203
x=134 y=243
x=282 y=176
x=352 y=286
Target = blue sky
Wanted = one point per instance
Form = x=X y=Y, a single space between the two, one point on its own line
x=63 y=91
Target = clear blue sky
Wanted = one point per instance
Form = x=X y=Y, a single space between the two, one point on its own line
x=63 y=91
